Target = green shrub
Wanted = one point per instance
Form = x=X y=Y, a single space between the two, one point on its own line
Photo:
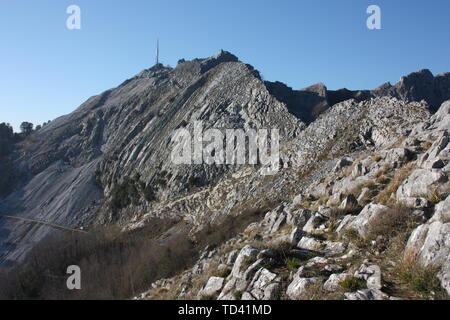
x=352 y=284
x=292 y=263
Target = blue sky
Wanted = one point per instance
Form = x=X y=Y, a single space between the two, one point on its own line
x=47 y=70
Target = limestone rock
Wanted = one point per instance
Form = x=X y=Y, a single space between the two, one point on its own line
x=212 y=287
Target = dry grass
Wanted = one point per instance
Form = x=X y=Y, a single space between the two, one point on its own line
x=422 y=282
x=392 y=222
x=435 y=196
x=316 y=292
x=425 y=146
x=385 y=196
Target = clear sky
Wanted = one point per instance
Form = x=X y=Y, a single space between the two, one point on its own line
x=47 y=70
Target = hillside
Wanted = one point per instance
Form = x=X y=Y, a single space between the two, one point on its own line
x=358 y=207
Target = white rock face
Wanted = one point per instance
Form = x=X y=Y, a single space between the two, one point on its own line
x=212 y=287
x=299 y=286
x=333 y=282
x=430 y=243
x=246 y=254
x=264 y=285
x=362 y=222
x=420 y=183
x=372 y=275
x=442 y=211
x=366 y=294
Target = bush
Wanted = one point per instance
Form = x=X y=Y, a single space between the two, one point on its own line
x=292 y=263
x=352 y=284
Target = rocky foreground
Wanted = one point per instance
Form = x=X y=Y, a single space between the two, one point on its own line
x=375 y=227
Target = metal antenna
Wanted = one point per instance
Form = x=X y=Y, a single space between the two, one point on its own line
x=157 y=51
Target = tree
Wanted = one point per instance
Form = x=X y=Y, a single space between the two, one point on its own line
x=6 y=138
x=26 y=127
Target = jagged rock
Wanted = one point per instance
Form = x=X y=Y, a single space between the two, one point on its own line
x=396 y=157
x=345 y=223
x=232 y=256
x=333 y=248
x=310 y=244
x=121 y=141
x=444 y=275
x=316 y=261
x=298 y=218
x=247 y=296
x=361 y=222
x=315 y=221
x=333 y=282
x=295 y=236
x=246 y=255
x=442 y=211
x=275 y=219
x=299 y=286
x=349 y=202
x=372 y=274
x=359 y=170
x=366 y=294
x=342 y=163
x=212 y=287
x=364 y=195
x=228 y=290
x=298 y=200
x=419 y=183
x=429 y=244
x=263 y=286
x=334 y=268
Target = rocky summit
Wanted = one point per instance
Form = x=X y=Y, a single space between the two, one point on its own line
x=358 y=209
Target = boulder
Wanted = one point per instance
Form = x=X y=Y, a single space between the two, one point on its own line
x=298 y=218
x=342 y=163
x=333 y=282
x=366 y=294
x=429 y=244
x=372 y=274
x=420 y=183
x=349 y=203
x=246 y=255
x=313 y=223
x=299 y=286
x=295 y=236
x=212 y=287
x=362 y=222
x=442 y=211
x=261 y=281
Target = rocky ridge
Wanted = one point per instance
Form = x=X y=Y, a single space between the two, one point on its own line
x=349 y=160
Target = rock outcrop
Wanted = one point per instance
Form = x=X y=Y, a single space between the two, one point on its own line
x=361 y=193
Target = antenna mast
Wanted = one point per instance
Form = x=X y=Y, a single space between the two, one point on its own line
x=157 y=51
